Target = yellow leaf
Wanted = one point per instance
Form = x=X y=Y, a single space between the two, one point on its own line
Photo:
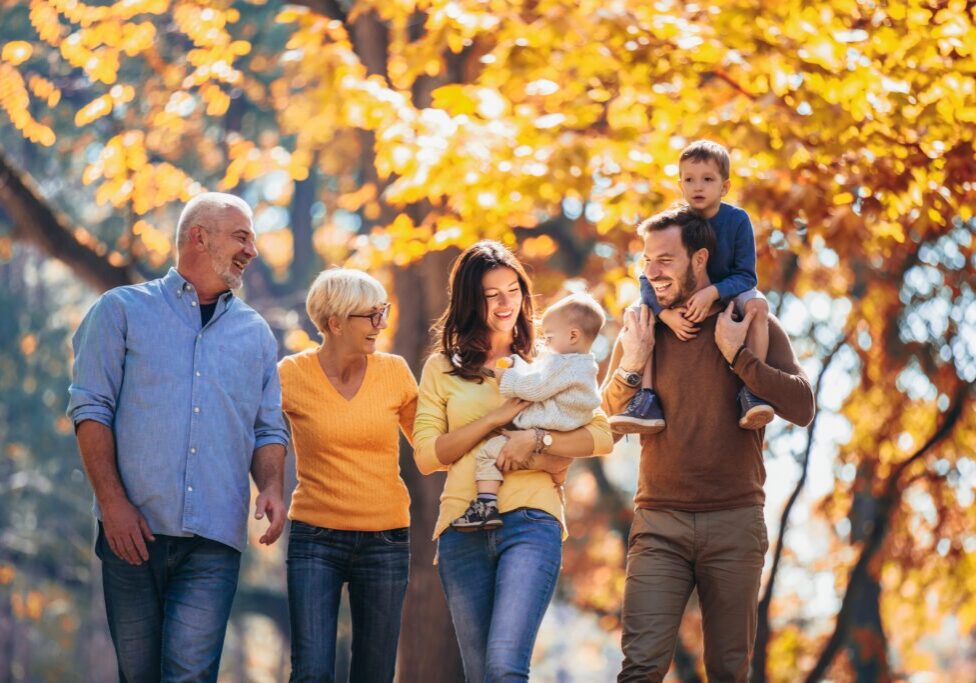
x=16 y=52
x=95 y=109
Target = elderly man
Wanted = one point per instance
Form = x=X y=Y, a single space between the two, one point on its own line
x=175 y=398
x=699 y=517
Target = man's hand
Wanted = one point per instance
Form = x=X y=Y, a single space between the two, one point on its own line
x=516 y=454
x=637 y=338
x=126 y=531
x=683 y=328
x=269 y=503
x=698 y=305
x=729 y=334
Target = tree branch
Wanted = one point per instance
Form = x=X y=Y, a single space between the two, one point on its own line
x=886 y=506
x=35 y=222
x=763 y=631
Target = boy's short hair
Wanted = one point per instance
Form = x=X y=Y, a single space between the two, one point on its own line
x=582 y=311
x=696 y=233
x=706 y=150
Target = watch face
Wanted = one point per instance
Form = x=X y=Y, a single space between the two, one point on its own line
x=547 y=439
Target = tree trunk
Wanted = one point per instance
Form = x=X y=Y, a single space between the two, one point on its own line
x=428 y=648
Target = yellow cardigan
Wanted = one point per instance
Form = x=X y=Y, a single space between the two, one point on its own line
x=447 y=402
x=347 y=452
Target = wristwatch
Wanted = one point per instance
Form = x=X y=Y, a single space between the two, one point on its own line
x=631 y=379
x=543 y=440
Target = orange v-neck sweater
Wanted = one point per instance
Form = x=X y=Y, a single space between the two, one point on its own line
x=347 y=452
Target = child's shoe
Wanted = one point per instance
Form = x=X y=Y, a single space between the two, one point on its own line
x=481 y=514
x=754 y=413
x=493 y=518
x=643 y=415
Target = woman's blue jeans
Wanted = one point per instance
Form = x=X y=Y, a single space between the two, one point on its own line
x=498 y=585
x=376 y=565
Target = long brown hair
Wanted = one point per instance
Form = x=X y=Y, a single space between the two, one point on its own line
x=463 y=332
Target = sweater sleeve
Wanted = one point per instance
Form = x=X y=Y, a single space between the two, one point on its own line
x=743 y=273
x=780 y=380
x=431 y=415
x=615 y=392
x=408 y=408
x=599 y=429
x=540 y=380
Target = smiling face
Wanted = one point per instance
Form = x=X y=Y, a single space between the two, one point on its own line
x=230 y=246
x=673 y=274
x=702 y=185
x=359 y=334
x=503 y=299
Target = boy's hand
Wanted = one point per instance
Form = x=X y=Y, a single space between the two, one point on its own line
x=700 y=302
x=683 y=328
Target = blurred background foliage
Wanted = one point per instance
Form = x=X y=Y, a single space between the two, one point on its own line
x=387 y=135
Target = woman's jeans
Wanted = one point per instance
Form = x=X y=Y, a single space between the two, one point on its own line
x=498 y=585
x=168 y=615
x=376 y=565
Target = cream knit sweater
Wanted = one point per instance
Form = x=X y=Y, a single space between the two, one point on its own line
x=562 y=387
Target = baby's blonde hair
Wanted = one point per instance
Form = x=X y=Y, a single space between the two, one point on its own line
x=581 y=311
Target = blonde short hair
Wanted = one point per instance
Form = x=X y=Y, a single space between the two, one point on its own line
x=339 y=292
x=581 y=311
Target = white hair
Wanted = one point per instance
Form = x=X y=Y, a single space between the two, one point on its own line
x=339 y=292
x=204 y=209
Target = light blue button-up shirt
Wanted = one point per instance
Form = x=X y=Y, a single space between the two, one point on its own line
x=188 y=404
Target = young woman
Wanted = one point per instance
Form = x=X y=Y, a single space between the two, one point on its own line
x=351 y=511
x=498 y=582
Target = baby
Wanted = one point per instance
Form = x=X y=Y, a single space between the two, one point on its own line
x=562 y=386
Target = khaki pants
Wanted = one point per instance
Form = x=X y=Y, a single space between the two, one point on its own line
x=721 y=553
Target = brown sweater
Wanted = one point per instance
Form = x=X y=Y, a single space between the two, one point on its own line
x=703 y=460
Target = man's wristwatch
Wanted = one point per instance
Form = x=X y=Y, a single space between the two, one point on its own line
x=631 y=379
x=543 y=440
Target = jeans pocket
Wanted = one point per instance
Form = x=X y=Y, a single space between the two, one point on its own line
x=399 y=536
x=534 y=515
x=303 y=531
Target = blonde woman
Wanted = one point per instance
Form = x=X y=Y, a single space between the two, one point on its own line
x=350 y=511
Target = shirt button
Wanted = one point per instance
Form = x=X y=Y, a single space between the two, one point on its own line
x=190 y=489
x=198 y=373
x=200 y=336
x=196 y=409
x=193 y=450
x=193 y=303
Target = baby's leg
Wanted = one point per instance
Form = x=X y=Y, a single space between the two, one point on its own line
x=757 y=339
x=489 y=478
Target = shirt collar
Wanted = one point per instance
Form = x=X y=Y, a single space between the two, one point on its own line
x=178 y=284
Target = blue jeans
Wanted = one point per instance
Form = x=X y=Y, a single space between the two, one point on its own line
x=168 y=615
x=376 y=565
x=498 y=584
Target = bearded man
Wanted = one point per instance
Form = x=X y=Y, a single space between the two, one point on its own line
x=175 y=399
x=699 y=520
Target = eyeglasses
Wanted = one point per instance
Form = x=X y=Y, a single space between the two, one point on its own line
x=376 y=318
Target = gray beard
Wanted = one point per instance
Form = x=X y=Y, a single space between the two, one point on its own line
x=223 y=272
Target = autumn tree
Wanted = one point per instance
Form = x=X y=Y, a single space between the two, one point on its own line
x=388 y=135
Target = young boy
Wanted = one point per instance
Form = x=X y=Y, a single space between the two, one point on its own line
x=561 y=384
x=703 y=170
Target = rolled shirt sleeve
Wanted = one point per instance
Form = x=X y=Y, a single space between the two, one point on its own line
x=269 y=424
x=97 y=372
